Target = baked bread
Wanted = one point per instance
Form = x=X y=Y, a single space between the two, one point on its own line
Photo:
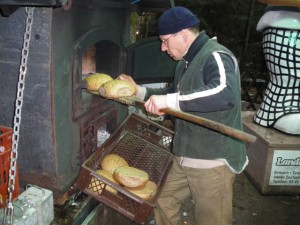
x=117 y=89
x=98 y=186
x=147 y=192
x=112 y=161
x=131 y=176
x=94 y=81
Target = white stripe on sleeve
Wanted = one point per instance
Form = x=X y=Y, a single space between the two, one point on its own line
x=214 y=90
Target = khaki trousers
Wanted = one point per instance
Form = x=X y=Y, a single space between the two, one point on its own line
x=211 y=190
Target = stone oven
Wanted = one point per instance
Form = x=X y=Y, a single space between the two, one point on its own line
x=61 y=125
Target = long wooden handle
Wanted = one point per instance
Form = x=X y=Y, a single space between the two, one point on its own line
x=212 y=125
x=222 y=128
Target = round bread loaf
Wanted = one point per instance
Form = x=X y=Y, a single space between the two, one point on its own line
x=131 y=176
x=98 y=186
x=94 y=81
x=147 y=192
x=117 y=89
x=112 y=161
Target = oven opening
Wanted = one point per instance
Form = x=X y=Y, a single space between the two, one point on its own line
x=101 y=57
x=88 y=60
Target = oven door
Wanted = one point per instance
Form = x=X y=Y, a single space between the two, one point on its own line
x=146 y=63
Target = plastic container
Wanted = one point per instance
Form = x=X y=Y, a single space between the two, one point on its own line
x=144 y=145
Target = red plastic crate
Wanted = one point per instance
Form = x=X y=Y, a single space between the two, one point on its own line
x=5 y=138
x=5 y=151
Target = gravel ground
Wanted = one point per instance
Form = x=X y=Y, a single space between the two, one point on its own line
x=249 y=208
x=252 y=208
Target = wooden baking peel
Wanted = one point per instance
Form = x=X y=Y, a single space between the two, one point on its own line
x=222 y=128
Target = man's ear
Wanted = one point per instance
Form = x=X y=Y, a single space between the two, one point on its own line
x=184 y=34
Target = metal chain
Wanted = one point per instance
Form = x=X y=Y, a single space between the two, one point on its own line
x=9 y=210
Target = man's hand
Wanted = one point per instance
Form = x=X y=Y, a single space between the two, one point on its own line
x=155 y=103
x=126 y=78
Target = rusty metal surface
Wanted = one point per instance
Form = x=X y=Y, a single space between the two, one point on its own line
x=144 y=145
x=90 y=128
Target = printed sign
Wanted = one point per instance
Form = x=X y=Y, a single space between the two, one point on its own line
x=285 y=168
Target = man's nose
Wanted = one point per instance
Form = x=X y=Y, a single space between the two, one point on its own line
x=163 y=47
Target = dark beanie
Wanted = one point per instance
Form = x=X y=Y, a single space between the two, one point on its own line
x=176 y=19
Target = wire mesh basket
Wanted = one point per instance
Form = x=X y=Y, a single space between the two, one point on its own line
x=144 y=145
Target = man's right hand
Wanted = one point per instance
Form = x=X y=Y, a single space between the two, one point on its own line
x=155 y=103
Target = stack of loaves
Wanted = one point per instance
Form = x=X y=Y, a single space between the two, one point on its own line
x=108 y=87
x=116 y=169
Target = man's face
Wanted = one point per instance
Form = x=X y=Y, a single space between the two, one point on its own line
x=174 y=45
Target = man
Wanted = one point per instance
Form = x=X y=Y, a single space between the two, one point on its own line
x=206 y=84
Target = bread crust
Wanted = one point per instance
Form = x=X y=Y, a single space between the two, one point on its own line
x=117 y=89
x=112 y=161
x=131 y=176
x=147 y=192
x=94 y=81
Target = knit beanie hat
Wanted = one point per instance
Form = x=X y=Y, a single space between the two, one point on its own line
x=176 y=19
